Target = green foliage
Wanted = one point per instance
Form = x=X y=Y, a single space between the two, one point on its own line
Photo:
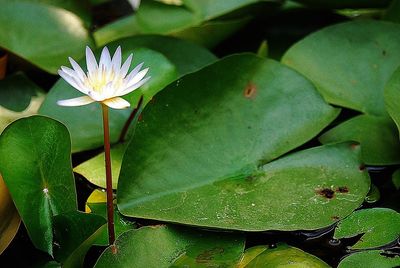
x=46 y=47
x=350 y=63
x=172 y=246
x=281 y=256
x=377 y=135
x=35 y=163
x=221 y=150
x=378 y=226
x=370 y=259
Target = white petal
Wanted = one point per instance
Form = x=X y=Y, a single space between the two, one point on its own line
x=137 y=77
x=125 y=67
x=117 y=59
x=71 y=80
x=91 y=62
x=78 y=69
x=117 y=103
x=76 y=101
x=135 y=86
x=105 y=59
x=68 y=71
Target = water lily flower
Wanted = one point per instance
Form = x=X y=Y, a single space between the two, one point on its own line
x=105 y=82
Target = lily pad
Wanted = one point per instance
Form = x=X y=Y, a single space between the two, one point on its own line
x=10 y=219
x=75 y=233
x=379 y=227
x=19 y=97
x=200 y=154
x=85 y=123
x=371 y=259
x=286 y=256
x=160 y=246
x=378 y=137
x=46 y=47
x=350 y=62
x=35 y=162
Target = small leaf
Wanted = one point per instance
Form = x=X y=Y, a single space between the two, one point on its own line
x=371 y=259
x=285 y=256
x=379 y=227
x=378 y=137
x=35 y=161
x=250 y=254
x=396 y=179
x=159 y=246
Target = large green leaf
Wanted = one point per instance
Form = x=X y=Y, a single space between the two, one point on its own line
x=392 y=97
x=378 y=137
x=19 y=97
x=75 y=232
x=42 y=33
x=197 y=156
x=350 y=63
x=35 y=161
x=85 y=123
x=285 y=256
x=379 y=226
x=159 y=246
x=371 y=259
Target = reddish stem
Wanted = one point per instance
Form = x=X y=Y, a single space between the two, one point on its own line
x=110 y=204
x=129 y=121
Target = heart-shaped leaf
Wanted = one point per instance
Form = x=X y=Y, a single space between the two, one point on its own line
x=159 y=246
x=197 y=156
x=10 y=219
x=41 y=33
x=35 y=162
x=377 y=135
x=350 y=62
x=285 y=256
x=379 y=227
x=371 y=259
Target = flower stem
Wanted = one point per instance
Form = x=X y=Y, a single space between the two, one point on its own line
x=129 y=121
x=110 y=204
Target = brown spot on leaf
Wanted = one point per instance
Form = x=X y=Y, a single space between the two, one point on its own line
x=140 y=117
x=208 y=255
x=354 y=146
x=361 y=167
x=335 y=218
x=342 y=189
x=250 y=91
x=326 y=192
